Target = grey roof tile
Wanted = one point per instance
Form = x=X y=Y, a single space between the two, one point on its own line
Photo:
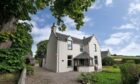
x=64 y=37
x=83 y=55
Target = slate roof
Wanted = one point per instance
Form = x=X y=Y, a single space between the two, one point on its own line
x=83 y=55
x=104 y=53
x=86 y=40
x=64 y=37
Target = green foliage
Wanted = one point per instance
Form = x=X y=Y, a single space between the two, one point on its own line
x=30 y=70
x=4 y=37
x=105 y=77
x=22 y=10
x=107 y=61
x=87 y=78
x=130 y=73
x=41 y=49
x=13 y=59
x=137 y=61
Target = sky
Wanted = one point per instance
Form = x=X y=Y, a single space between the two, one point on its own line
x=115 y=23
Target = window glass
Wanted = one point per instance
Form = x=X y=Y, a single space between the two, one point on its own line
x=69 y=60
x=96 y=59
x=69 y=45
x=95 y=48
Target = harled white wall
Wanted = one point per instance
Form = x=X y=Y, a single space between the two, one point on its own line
x=97 y=53
x=51 y=59
x=63 y=53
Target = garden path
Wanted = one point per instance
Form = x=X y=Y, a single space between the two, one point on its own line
x=42 y=76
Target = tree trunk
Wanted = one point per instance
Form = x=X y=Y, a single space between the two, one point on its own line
x=9 y=27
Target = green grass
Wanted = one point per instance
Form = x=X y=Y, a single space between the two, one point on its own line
x=125 y=57
x=111 y=69
x=108 y=78
x=109 y=75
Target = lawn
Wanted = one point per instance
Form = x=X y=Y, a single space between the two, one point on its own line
x=9 y=78
x=109 y=75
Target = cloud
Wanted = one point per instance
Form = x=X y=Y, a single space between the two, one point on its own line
x=132 y=48
x=118 y=38
x=96 y=5
x=109 y=2
x=71 y=24
x=134 y=8
x=127 y=26
x=40 y=34
x=75 y=33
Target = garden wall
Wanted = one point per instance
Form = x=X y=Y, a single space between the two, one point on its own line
x=22 y=77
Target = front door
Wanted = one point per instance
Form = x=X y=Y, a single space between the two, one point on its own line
x=75 y=65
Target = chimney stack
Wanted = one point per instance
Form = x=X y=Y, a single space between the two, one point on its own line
x=53 y=28
x=84 y=37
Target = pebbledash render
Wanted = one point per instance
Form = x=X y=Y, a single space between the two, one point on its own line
x=66 y=53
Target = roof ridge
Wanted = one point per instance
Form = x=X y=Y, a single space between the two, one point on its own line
x=68 y=35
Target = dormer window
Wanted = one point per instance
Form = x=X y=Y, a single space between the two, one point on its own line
x=69 y=43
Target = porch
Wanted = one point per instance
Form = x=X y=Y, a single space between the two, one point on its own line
x=83 y=63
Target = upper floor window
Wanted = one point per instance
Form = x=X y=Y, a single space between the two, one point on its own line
x=69 y=43
x=96 y=60
x=95 y=47
x=81 y=48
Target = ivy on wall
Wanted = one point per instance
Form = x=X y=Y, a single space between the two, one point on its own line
x=13 y=59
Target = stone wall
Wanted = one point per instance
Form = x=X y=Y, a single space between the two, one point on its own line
x=22 y=77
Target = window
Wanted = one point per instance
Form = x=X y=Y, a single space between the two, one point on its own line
x=96 y=59
x=95 y=48
x=81 y=48
x=69 y=60
x=69 y=45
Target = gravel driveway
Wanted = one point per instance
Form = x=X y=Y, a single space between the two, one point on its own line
x=42 y=76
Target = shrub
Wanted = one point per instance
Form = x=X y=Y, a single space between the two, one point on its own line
x=128 y=61
x=107 y=61
x=137 y=61
x=30 y=70
x=130 y=73
x=87 y=78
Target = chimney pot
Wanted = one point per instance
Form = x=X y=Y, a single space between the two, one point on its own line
x=53 y=29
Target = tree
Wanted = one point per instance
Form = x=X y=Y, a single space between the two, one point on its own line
x=15 y=42
x=129 y=73
x=41 y=49
x=14 y=10
x=107 y=61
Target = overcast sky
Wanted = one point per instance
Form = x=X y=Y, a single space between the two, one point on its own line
x=115 y=23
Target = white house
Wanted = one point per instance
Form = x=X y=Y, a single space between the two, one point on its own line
x=66 y=53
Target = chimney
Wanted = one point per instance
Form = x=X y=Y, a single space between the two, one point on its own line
x=53 y=28
x=84 y=37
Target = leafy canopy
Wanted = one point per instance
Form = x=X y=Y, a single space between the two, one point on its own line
x=13 y=59
x=22 y=9
x=41 y=49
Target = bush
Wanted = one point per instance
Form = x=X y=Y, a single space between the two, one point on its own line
x=128 y=61
x=107 y=61
x=87 y=78
x=130 y=73
x=30 y=70
x=137 y=61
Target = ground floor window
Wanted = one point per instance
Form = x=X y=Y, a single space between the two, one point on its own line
x=84 y=62
x=69 y=62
